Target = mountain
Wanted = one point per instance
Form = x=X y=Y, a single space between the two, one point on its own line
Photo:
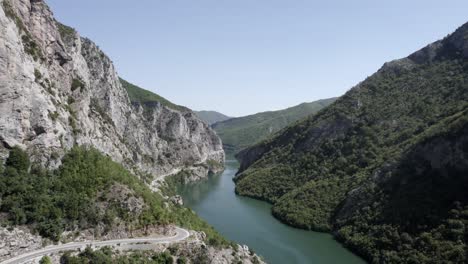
x=61 y=90
x=241 y=132
x=211 y=117
x=83 y=153
x=140 y=96
x=385 y=167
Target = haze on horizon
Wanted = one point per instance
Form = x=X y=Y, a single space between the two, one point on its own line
x=242 y=57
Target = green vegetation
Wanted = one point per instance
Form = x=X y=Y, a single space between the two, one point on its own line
x=384 y=167
x=77 y=83
x=45 y=83
x=74 y=125
x=37 y=75
x=10 y=13
x=45 y=260
x=420 y=213
x=74 y=197
x=173 y=181
x=70 y=100
x=107 y=256
x=8 y=9
x=241 y=132
x=182 y=260
x=29 y=45
x=211 y=117
x=66 y=32
x=214 y=164
x=146 y=98
x=53 y=115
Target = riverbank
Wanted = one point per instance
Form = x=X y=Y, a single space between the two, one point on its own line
x=248 y=221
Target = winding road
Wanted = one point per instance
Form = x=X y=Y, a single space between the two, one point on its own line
x=181 y=234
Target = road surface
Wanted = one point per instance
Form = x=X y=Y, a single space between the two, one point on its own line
x=181 y=234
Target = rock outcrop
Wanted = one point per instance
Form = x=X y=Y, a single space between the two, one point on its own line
x=18 y=240
x=58 y=89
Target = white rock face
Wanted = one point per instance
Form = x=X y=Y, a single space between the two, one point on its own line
x=17 y=241
x=45 y=109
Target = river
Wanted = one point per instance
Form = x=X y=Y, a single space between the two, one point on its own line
x=248 y=221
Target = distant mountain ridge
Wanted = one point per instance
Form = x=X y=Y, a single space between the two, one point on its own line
x=241 y=132
x=138 y=95
x=211 y=117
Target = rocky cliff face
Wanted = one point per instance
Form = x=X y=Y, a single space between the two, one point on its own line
x=58 y=89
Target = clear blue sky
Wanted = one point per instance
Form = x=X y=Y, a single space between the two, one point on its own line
x=244 y=56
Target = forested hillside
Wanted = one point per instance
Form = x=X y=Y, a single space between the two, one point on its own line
x=88 y=191
x=241 y=132
x=385 y=167
x=211 y=117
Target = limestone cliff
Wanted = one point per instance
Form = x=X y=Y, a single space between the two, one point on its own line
x=58 y=89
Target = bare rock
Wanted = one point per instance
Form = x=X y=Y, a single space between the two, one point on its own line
x=177 y=200
x=58 y=89
x=16 y=241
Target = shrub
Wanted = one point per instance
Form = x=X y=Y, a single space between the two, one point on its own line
x=37 y=75
x=77 y=83
x=18 y=159
x=65 y=31
x=53 y=115
x=45 y=260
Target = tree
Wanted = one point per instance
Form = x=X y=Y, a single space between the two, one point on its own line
x=45 y=260
x=18 y=159
x=182 y=260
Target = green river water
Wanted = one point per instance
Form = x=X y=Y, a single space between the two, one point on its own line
x=248 y=221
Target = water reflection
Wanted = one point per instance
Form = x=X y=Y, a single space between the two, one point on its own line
x=248 y=221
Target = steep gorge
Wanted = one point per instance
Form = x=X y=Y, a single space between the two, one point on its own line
x=67 y=125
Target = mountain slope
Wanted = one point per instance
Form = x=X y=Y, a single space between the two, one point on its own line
x=90 y=197
x=138 y=95
x=241 y=132
x=79 y=148
x=384 y=167
x=211 y=117
x=61 y=90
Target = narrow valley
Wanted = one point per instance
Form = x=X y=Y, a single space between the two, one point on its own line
x=297 y=157
x=248 y=221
